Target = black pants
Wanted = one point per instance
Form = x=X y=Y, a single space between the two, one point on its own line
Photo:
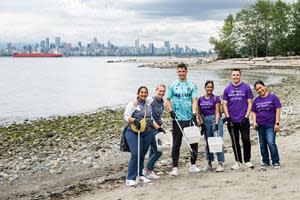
x=245 y=133
x=177 y=139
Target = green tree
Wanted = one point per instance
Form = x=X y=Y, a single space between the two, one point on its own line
x=294 y=36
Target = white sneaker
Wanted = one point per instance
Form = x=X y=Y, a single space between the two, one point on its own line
x=174 y=172
x=249 y=165
x=220 y=168
x=194 y=169
x=143 y=179
x=236 y=166
x=206 y=168
x=276 y=166
x=151 y=175
x=130 y=183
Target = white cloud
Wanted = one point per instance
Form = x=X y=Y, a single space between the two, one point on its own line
x=118 y=21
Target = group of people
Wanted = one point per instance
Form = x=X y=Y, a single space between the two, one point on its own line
x=144 y=117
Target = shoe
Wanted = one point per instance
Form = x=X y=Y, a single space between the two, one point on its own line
x=194 y=169
x=236 y=166
x=130 y=183
x=206 y=168
x=143 y=179
x=249 y=165
x=276 y=166
x=174 y=172
x=220 y=168
x=151 y=175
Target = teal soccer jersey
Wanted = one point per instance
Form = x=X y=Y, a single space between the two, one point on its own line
x=181 y=93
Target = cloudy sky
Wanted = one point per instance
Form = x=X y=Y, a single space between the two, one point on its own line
x=184 y=22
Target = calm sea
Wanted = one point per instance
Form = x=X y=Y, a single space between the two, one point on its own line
x=41 y=87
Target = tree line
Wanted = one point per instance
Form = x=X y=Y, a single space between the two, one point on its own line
x=264 y=28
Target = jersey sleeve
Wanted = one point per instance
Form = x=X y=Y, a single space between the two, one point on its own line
x=128 y=111
x=195 y=91
x=218 y=100
x=253 y=109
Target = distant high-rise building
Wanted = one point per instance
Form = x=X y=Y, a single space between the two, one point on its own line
x=57 y=42
x=167 y=45
x=8 y=46
x=95 y=43
x=43 y=44
x=79 y=44
x=151 y=48
x=109 y=45
x=137 y=43
x=47 y=43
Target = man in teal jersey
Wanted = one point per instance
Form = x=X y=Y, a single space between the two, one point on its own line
x=182 y=104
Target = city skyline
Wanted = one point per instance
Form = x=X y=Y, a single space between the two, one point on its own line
x=154 y=21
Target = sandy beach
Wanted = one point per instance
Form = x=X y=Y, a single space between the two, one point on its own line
x=77 y=157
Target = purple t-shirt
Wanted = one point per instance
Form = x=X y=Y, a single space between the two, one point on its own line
x=208 y=106
x=236 y=97
x=265 y=109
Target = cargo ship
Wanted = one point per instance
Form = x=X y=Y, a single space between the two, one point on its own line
x=37 y=55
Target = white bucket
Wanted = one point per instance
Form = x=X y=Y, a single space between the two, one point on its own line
x=192 y=134
x=215 y=144
x=163 y=141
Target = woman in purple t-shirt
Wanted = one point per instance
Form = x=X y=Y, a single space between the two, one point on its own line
x=209 y=117
x=266 y=111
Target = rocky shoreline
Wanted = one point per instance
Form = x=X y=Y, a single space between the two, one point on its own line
x=62 y=157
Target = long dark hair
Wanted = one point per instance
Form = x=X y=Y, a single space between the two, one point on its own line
x=209 y=82
x=142 y=87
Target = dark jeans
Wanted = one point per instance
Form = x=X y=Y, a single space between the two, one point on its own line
x=245 y=133
x=267 y=139
x=177 y=139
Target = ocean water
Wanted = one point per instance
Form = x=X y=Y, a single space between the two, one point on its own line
x=41 y=87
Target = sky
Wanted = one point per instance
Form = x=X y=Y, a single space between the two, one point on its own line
x=182 y=22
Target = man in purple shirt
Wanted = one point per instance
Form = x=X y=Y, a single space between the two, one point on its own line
x=237 y=104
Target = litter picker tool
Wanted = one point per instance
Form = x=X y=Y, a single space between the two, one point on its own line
x=184 y=136
x=262 y=165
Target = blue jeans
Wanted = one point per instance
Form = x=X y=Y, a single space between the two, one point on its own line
x=267 y=139
x=209 y=122
x=154 y=155
x=132 y=140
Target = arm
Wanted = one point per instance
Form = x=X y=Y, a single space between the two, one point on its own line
x=199 y=116
x=249 y=101
x=254 y=119
x=225 y=108
x=128 y=113
x=277 y=121
x=194 y=105
x=169 y=105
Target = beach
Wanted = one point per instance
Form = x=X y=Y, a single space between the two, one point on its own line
x=78 y=157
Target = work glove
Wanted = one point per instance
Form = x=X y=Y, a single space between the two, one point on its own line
x=160 y=129
x=173 y=115
x=229 y=122
x=137 y=124
x=194 y=118
x=203 y=129
x=216 y=127
x=245 y=122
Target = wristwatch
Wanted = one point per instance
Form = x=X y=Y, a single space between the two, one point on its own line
x=277 y=124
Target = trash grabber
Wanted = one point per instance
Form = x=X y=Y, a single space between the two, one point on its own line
x=234 y=142
x=208 y=151
x=262 y=165
x=138 y=180
x=184 y=136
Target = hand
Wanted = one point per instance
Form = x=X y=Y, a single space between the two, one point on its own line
x=194 y=118
x=217 y=127
x=160 y=129
x=203 y=129
x=245 y=122
x=173 y=115
x=137 y=124
x=276 y=128
x=224 y=120
x=255 y=126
